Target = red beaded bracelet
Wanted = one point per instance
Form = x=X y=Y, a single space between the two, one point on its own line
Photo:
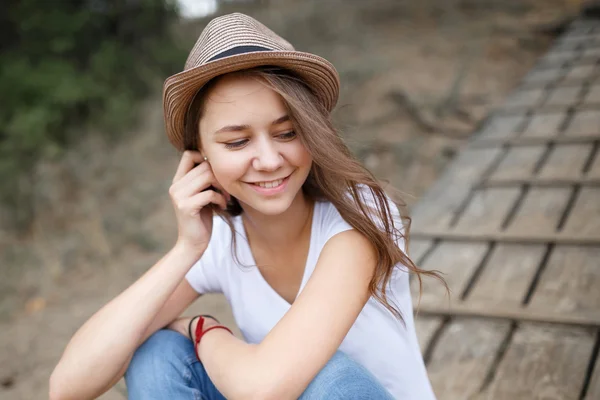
x=200 y=333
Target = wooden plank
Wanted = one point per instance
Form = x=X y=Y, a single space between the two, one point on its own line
x=566 y=161
x=544 y=125
x=463 y=355
x=500 y=311
x=588 y=137
x=570 y=282
x=502 y=126
x=519 y=162
x=487 y=210
x=571 y=40
x=593 y=392
x=508 y=237
x=580 y=72
x=544 y=75
x=591 y=106
x=550 y=108
x=447 y=194
x=540 y=211
x=594 y=172
x=557 y=57
x=543 y=362
x=564 y=46
x=584 y=218
x=507 y=275
x=418 y=248
x=593 y=95
x=564 y=96
x=426 y=327
x=592 y=52
x=457 y=262
x=584 y=122
x=539 y=182
x=586 y=40
x=527 y=98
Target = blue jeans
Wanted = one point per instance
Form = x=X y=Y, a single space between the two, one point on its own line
x=165 y=367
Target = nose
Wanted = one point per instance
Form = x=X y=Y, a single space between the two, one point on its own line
x=268 y=157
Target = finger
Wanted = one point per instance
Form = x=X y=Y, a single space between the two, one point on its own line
x=189 y=159
x=190 y=185
x=191 y=176
x=218 y=185
x=217 y=199
x=196 y=203
x=199 y=170
x=207 y=197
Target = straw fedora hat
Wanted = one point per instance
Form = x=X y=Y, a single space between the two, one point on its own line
x=235 y=42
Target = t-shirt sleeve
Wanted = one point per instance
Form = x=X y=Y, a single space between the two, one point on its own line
x=394 y=214
x=204 y=276
x=333 y=223
x=399 y=231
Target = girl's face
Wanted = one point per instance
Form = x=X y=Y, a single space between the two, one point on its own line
x=251 y=145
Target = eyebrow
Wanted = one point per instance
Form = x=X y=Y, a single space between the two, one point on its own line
x=238 y=128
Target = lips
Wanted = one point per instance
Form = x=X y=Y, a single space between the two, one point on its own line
x=270 y=184
x=270 y=188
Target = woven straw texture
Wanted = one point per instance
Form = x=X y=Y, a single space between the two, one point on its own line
x=229 y=32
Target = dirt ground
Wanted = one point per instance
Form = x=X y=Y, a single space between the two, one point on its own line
x=417 y=79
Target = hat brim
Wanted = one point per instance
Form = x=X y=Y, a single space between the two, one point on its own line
x=179 y=89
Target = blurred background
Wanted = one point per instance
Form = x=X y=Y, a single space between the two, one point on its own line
x=85 y=165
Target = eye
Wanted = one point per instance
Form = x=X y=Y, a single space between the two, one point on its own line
x=287 y=135
x=235 y=145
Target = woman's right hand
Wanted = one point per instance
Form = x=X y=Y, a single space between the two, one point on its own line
x=192 y=201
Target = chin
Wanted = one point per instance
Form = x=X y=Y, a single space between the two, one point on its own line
x=269 y=207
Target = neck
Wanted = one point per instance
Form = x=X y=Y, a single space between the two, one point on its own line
x=279 y=231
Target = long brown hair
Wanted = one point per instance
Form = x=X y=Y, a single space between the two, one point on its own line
x=336 y=176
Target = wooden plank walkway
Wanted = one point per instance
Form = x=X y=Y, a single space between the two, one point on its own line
x=514 y=226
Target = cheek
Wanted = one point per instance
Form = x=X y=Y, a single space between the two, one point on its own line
x=228 y=170
x=298 y=155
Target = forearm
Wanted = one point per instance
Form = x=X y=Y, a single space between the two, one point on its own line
x=230 y=364
x=100 y=348
x=245 y=371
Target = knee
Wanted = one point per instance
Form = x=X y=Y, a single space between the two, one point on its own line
x=344 y=378
x=163 y=353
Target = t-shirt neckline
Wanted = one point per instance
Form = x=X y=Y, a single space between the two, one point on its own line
x=257 y=272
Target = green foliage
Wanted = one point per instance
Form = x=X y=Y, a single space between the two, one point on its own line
x=65 y=64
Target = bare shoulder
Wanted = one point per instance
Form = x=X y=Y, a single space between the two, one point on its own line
x=349 y=249
x=350 y=239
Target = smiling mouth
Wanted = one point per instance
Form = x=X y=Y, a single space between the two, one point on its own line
x=269 y=184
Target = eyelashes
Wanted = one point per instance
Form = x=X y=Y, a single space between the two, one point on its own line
x=234 y=145
x=288 y=135
x=241 y=143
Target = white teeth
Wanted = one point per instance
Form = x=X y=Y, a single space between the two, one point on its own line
x=269 y=185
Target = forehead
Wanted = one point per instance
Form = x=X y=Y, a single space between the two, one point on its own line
x=241 y=100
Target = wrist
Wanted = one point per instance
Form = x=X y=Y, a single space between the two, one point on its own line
x=186 y=249
x=192 y=328
x=202 y=326
x=209 y=321
x=208 y=339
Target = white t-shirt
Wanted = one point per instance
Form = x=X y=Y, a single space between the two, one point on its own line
x=377 y=340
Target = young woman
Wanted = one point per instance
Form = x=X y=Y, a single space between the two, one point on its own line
x=274 y=212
